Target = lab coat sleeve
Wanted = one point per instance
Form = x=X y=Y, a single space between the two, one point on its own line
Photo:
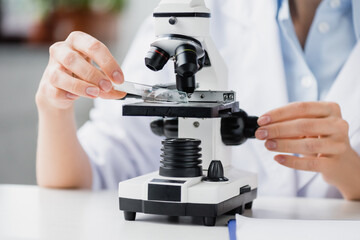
x=120 y=147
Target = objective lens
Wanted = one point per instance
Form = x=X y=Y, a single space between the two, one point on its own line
x=186 y=60
x=185 y=84
x=186 y=65
x=156 y=58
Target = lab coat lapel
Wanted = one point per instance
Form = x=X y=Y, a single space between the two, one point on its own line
x=346 y=91
x=260 y=70
x=259 y=80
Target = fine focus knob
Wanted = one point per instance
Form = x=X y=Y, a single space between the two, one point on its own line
x=216 y=172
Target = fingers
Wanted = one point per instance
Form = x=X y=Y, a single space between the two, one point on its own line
x=314 y=164
x=300 y=128
x=307 y=146
x=300 y=110
x=97 y=51
x=72 y=85
x=71 y=73
x=75 y=63
x=59 y=97
x=113 y=95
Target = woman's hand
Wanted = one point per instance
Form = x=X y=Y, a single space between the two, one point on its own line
x=61 y=160
x=70 y=73
x=317 y=132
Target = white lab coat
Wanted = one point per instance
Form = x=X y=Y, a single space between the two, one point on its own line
x=247 y=35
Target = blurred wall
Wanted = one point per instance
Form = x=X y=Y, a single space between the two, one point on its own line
x=21 y=69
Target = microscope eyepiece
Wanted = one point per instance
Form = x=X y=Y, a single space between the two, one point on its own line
x=156 y=58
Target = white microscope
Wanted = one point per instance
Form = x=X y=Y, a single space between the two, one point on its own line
x=195 y=176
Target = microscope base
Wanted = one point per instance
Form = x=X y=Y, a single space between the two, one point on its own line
x=209 y=212
x=202 y=198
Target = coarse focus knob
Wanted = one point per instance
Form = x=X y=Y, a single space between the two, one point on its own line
x=251 y=126
x=216 y=172
x=237 y=128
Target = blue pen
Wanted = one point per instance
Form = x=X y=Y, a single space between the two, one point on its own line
x=232 y=229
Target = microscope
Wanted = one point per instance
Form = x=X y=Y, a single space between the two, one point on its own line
x=195 y=176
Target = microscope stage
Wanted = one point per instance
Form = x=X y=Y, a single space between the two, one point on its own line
x=191 y=109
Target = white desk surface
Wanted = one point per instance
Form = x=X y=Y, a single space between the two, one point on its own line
x=29 y=212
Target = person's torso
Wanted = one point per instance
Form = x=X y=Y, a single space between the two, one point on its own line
x=247 y=35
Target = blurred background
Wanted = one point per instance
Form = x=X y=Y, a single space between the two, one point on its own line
x=27 y=29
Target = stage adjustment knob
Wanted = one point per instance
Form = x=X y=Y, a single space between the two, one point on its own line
x=216 y=172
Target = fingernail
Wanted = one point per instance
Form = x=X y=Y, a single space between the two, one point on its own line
x=118 y=77
x=261 y=134
x=280 y=159
x=93 y=91
x=271 y=144
x=105 y=85
x=71 y=96
x=264 y=120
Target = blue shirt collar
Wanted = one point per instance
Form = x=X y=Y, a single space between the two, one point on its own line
x=283 y=13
